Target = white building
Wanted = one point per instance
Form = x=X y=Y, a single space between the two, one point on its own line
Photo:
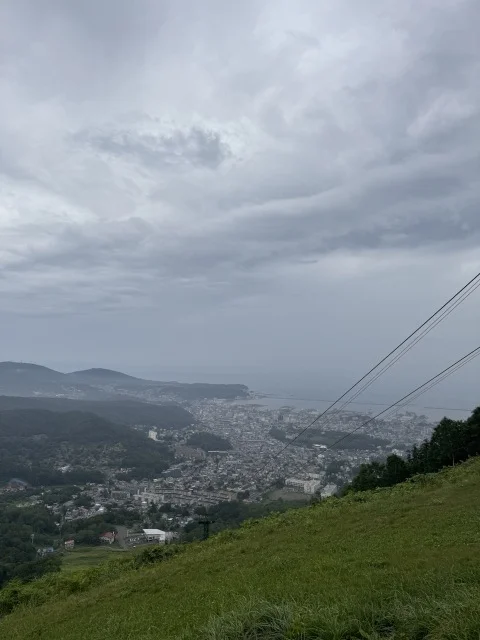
x=311 y=486
x=295 y=482
x=306 y=486
x=328 y=490
x=155 y=535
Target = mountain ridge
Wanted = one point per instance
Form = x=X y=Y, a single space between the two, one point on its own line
x=30 y=379
x=99 y=372
x=11 y=364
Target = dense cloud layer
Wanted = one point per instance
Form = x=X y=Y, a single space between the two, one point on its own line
x=203 y=164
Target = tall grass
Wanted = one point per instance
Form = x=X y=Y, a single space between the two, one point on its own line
x=401 y=616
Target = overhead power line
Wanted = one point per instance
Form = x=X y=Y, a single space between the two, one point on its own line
x=423 y=388
x=398 y=352
x=446 y=312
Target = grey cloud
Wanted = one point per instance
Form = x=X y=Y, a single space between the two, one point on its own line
x=78 y=50
x=77 y=247
x=13 y=169
x=197 y=146
x=446 y=232
x=407 y=199
x=175 y=159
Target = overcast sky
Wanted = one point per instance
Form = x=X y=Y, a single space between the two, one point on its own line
x=263 y=185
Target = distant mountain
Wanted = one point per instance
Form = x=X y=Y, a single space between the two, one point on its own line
x=23 y=373
x=25 y=379
x=127 y=412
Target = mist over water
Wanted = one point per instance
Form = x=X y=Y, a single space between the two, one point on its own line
x=317 y=391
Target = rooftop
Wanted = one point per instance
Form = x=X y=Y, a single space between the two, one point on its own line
x=153 y=532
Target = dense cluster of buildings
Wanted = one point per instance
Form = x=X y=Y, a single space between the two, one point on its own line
x=258 y=465
x=258 y=461
x=155 y=494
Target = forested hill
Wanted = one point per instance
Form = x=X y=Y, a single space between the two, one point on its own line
x=131 y=412
x=34 y=444
x=209 y=441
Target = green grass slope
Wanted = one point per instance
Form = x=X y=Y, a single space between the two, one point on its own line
x=402 y=563
x=83 y=557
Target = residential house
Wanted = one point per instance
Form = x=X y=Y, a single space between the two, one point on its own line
x=108 y=537
x=16 y=484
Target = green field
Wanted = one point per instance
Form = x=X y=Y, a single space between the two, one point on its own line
x=397 y=564
x=288 y=496
x=82 y=557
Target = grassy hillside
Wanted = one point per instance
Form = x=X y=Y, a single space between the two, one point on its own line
x=83 y=557
x=400 y=563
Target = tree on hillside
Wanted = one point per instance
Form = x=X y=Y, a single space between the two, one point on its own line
x=452 y=441
x=395 y=470
x=209 y=441
x=369 y=476
x=84 y=501
x=18 y=554
x=473 y=433
x=279 y=483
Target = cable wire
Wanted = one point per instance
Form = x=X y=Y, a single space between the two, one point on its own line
x=404 y=351
x=442 y=312
x=423 y=388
